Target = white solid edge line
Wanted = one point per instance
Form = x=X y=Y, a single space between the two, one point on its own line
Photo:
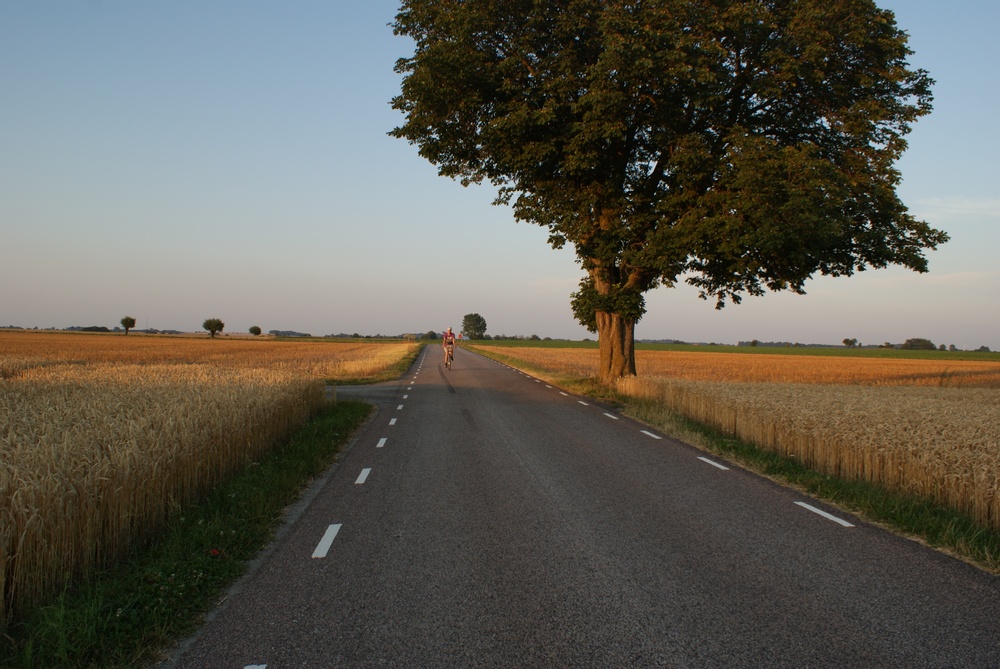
x=324 y=544
x=825 y=514
x=381 y=442
x=364 y=475
x=714 y=464
x=650 y=434
x=611 y=416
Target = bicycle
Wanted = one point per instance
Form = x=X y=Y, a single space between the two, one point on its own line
x=450 y=357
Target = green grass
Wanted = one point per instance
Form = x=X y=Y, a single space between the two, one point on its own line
x=122 y=617
x=935 y=524
x=530 y=343
x=824 y=351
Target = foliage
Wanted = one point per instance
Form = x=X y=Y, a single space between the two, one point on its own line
x=918 y=344
x=213 y=325
x=740 y=147
x=255 y=330
x=128 y=323
x=474 y=326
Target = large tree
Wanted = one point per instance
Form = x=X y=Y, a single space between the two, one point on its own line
x=739 y=146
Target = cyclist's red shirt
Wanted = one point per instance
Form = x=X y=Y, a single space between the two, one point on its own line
x=449 y=339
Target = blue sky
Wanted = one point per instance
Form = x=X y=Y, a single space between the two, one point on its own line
x=186 y=160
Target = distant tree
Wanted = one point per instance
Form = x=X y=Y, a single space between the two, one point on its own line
x=128 y=323
x=739 y=147
x=850 y=343
x=213 y=325
x=255 y=330
x=952 y=347
x=918 y=344
x=431 y=335
x=474 y=326
x=983 y=349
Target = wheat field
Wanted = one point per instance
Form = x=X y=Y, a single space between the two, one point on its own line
x=927 y=427
x=102 y=435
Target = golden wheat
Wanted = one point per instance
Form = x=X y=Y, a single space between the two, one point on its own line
x=772 y=368
x=100 y=437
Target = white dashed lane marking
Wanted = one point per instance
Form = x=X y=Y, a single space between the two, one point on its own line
x=324 y=544
x=839 y=521
x=714 y=464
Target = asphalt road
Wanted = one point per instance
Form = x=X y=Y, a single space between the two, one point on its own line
x=485 y=519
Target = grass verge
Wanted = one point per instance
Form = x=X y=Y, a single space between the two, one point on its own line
x=125 y=616
x=929 y=522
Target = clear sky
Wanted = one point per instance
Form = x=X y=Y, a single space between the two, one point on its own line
x=178 y=161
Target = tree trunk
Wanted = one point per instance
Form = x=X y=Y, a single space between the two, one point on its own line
x=616 y=336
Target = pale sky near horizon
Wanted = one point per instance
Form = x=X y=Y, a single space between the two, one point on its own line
x=186 y=160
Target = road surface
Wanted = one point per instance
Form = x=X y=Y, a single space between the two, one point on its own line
x=485 y=519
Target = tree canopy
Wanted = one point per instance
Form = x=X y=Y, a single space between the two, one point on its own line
x=213 y=325
x=474 y=326
x=736 y=146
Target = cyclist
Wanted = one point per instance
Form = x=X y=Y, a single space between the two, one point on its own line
x=449 y=346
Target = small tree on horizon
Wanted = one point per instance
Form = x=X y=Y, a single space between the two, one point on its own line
x=255 y=330
x=918 y=344
x=213 y=325
x=474 y=326
x=128 y=323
